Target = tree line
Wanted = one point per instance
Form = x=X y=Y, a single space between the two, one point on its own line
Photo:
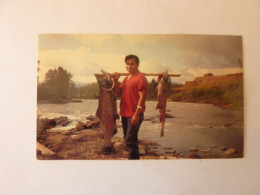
x=58 y=85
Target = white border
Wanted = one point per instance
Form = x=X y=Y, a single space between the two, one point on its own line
x=22 y=21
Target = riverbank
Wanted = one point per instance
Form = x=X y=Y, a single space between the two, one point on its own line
x=88 y=145
x=85 y=141
x=60 y=101
x=56 y=139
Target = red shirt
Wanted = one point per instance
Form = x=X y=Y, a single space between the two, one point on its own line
x=130 y=96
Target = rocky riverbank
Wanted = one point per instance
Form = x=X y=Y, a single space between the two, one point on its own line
x=60 y=101
x=85 y=141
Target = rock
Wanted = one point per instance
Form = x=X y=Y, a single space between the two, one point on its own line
x=169 y=151
x=93 y=124
x=192 y=155
x=147 y=118
x=91 y=118
x=171 y=157
x=227 y=125
x=168 y=115
x=230 y=151
x=206 y=150
x=153 y=147
x=80 y=126
x=180 y=154
x=142 y=150
x=44 y=150
x=61 y=120
x=162 y=157
x=50 y=123
x=223 y=148
x=193 y=149
x=118 y=144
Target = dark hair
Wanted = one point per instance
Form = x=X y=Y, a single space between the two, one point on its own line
x=131 y=56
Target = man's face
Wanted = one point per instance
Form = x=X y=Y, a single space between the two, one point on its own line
x=131 y=66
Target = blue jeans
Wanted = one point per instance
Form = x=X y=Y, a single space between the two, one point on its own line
x=131 y=135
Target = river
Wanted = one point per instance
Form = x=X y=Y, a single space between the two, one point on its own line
x=195 y=125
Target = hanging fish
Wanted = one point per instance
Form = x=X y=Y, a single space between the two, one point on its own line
x=162 y=94
x=107 y=110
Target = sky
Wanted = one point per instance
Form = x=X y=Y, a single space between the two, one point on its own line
x=189 y=55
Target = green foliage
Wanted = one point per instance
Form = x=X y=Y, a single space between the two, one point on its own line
x=231 y=95
x=57 y=85
x=151 y=92
x=90 y=91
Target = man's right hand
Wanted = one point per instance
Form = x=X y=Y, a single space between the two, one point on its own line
x=116 y=76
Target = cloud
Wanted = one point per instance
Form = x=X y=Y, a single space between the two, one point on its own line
x=210 y=51
x=81 y=63
x=188 y=55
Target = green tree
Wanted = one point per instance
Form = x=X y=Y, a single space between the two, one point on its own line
x=57 y=85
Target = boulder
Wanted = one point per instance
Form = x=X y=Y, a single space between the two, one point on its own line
x=93 y=124
x=80 y=126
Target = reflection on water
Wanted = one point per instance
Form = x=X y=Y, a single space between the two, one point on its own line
x=194 y=125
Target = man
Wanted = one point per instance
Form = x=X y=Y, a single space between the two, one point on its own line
x=133 y=92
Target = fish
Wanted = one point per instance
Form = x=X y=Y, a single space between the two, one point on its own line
x=162 y=93
x=107 y=110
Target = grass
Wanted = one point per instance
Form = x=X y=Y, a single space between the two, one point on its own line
x=230 y=96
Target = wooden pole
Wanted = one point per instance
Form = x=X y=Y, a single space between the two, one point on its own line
x=146 y=74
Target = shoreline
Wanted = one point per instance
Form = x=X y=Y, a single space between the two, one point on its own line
x=65 y=101
x=62 y=101
x=85 y=142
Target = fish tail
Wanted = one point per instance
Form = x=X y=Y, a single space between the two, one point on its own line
x=162 y=129
x=158 y=106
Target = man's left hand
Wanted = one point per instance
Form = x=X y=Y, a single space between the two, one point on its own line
x=135 y=119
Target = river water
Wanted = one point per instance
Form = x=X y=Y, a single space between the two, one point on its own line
x=195 y=125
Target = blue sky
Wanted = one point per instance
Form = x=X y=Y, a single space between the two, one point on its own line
x=188 y=55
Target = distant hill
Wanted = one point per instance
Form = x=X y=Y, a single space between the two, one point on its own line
x=225 y=90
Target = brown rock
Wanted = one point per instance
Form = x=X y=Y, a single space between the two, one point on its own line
x=168 y=115
x=206 y=150
x=192 y=155
x=171 y=157
x=193 y=149
x=170 y=151
x=91 y=118
x=44 y=150
x=80 y=126
x=93 y=124
x=223 y=148
x=142 y=150
x=230 y=151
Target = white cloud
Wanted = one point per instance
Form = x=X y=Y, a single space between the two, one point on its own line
x=81 y=63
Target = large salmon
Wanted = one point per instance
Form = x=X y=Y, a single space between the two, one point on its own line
x=162 y=98
x=107 y=109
